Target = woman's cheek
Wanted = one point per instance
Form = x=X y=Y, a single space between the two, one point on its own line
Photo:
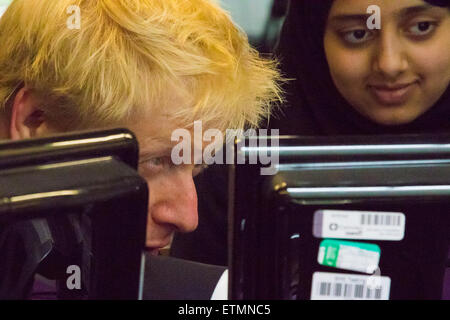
x=349 y=67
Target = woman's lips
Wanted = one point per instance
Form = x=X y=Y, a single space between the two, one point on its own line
x=392 y=95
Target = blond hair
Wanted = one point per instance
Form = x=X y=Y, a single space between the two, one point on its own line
x=132 y=55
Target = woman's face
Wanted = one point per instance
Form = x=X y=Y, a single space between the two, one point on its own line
x=394 y=74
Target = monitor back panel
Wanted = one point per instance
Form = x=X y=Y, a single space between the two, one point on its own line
x=371 y=225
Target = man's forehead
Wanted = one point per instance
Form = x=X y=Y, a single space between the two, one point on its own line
x=151 y=146
x=154 y=132
x=162 y=144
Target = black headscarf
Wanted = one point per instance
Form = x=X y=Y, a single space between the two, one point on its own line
x=315 y=107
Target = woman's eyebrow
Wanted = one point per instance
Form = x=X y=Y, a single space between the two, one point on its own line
x=349 y=17
x=414 y=10
x=344 y=17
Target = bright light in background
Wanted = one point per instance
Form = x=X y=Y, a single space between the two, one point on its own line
x=3 y=5
x=250 y=15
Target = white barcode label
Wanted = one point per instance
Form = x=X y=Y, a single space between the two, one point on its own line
x=359 y=225
x=340 y=286
x=381 y=219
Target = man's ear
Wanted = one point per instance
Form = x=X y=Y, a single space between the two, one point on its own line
x=27 y=119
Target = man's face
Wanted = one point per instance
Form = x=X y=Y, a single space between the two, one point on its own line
x=172 y=195
x=394 y=74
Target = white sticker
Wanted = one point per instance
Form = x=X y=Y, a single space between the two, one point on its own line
x=341 y=286
x=360 y=225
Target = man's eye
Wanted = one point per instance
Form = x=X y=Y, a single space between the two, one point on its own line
x=152 y=164
x=421 y=28
x=155 y=162
x=357 y=36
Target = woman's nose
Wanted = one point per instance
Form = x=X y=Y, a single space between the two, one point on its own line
x=390 y=59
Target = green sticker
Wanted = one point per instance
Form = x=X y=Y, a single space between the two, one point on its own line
x=349 y=255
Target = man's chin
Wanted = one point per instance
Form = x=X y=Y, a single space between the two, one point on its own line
x=153 y=251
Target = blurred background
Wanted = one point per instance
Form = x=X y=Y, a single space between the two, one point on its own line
x=251 y=15
x=260 y=19
x=3 y=5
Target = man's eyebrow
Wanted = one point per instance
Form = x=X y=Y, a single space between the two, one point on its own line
x=157 y=151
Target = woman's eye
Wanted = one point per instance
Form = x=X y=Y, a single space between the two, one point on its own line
x=357 y=36
x=421 y=28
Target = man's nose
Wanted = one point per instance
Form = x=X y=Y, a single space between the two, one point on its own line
x=390 y=58
x=179 y=205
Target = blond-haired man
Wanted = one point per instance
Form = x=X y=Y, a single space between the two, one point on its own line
x=149 y=65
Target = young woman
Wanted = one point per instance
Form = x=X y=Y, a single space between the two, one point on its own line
x=359 y=81
x=391 y=80
x=349 y=80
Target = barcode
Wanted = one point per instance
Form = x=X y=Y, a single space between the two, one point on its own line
x=380 y=219
x=350 y=291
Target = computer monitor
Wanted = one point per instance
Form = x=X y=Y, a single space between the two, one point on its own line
x=73 y=209
x=343 y=218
